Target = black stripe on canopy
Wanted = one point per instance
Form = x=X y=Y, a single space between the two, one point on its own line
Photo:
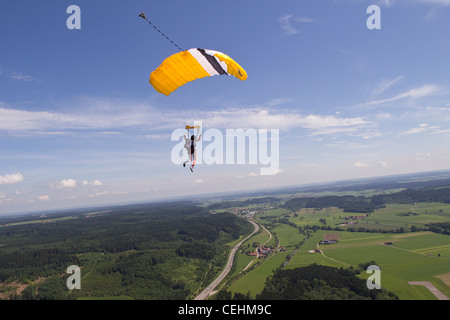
x=213 y=62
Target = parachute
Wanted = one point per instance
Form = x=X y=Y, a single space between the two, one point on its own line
x=192 y=64
x=197 y=126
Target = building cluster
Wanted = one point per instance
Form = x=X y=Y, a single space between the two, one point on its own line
x=249 y=213
x=360 y=217
x=263 y=251
x=328 y=241
x=352 y=220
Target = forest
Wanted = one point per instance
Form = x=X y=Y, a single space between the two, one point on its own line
x=130 y=251
x=315 y=282
x=242 y=203
x=363 y=204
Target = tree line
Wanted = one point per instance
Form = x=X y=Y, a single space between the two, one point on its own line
x=364 y=204
x=314 y=282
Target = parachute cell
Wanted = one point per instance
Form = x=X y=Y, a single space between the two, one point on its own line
x=192 y=64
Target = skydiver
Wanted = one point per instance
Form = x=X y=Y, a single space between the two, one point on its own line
x=192 y=152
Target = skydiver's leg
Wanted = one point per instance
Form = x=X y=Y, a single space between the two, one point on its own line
x=189 y=158
x=194 y=158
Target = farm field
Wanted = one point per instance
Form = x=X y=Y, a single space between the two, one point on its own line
x=412 y=256
x=425 y=213
x=253 y=281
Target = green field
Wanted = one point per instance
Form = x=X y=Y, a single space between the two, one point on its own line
x=406 y=260
x=427 y=213
x=413 y=256
x=254 y=280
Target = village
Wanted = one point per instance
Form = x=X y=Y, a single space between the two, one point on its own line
x=261 y=250
x=250 y=213
x=350 y=220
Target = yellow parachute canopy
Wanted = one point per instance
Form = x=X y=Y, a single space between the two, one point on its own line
x=197 y=126
x=192 y=64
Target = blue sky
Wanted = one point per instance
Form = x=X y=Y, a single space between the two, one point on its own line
x=80 y=125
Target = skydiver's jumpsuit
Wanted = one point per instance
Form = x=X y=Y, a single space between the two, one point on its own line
x=190 y=147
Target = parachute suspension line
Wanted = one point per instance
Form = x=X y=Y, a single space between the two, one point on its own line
x=142 y=15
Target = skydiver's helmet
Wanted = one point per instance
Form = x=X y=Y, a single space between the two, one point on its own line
x=192 y=137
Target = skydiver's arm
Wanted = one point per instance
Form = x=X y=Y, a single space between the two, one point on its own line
x=199 y=137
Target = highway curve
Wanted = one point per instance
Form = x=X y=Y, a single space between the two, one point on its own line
x=205 y=293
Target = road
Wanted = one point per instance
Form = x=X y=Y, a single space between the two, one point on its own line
x=430 y=287
x=205 y=293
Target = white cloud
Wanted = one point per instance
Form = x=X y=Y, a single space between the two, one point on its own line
x=424 y=127
x=423 y=156
x=361 y=165
x=386 y=84
x=415 y=93
x=97 y=183
x=67 y=183
x=22 y=77
x=98 y=115
x=198 y=181
x=278 y=101
x=122 y=192
x=386 y=3
x=383 y=164
x=286 y=26
x=115 y=115
x=11 y=178
x=271 y=119
x=350 y=145
x=304 y=19
x=44 y=198
x=440 y=2
x=286 y=23
x=438 y=109
x=384 y=116
x=93 y=183
x=157 y=136
x=19 y=76
x=98 y=194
